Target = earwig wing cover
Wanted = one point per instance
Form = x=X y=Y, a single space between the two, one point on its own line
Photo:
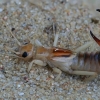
x=61 y=59
x=62 y=63
x=59 y=52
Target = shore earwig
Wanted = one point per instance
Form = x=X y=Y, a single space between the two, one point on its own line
x=60 y=59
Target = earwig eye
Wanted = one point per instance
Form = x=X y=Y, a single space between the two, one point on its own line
x=24 y=54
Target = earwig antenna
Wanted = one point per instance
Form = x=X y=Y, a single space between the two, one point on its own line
x=9 y=49
x=12 y=34
x=15 y=38
x=14 y=56
x=11 y=55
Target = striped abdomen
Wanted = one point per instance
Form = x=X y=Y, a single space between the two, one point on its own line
x=87 y=62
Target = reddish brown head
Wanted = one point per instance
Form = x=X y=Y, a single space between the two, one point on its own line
x=25 y=52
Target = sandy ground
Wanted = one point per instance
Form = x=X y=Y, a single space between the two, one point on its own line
x=28 y=20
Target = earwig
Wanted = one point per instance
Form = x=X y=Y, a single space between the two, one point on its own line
x=60 y=59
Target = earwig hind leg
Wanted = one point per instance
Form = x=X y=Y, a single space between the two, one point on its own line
x=94 y=74
x=55 y=69
x=58 y=71
x=38 y=62
x=91 y=74
x=83 y=46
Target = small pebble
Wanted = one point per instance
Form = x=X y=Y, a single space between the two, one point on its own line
x=38 y=78
x=31 y=91
x=20 y=93
x=1 y=9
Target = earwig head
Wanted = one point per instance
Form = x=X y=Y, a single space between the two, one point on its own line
x=25 y=52
x=95 y=38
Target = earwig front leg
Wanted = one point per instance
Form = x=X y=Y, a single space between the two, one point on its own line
x=58 y=71
x=38 y=62
x=92 y=74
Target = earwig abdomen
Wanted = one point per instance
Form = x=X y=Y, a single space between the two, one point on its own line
x=87 y=62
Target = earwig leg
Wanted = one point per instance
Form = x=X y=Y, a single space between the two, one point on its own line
x=58 y=71
x=83 y=73
x=92 y=74
x=38 y=62
x=84 y=46
x=91 y=77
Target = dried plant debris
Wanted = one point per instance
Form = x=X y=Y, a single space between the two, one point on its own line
x=51 y=32
x=50 y=29
x=27 y=21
